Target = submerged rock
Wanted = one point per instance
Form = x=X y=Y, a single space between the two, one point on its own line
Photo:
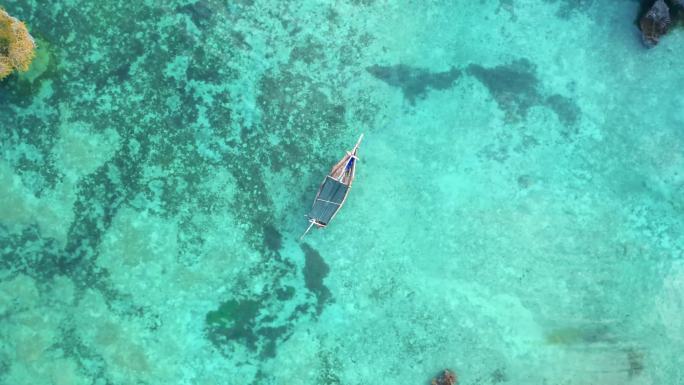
x=655 y=23
x=447 y=377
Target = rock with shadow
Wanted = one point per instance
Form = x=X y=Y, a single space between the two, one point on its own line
x=447 y=377
x=655 y=23
x=657 y=17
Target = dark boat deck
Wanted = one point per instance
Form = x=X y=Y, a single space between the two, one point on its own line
x=328 y=201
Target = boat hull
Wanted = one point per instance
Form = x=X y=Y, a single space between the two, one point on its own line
x=334 y=190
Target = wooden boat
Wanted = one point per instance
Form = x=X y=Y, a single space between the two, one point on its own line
x=334 y=190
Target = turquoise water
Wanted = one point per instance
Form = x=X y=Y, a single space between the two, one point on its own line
x=517 y=216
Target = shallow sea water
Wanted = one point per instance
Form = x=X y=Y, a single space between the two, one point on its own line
x=518 y=212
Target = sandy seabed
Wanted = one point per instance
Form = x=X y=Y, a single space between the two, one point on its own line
x=517 y=214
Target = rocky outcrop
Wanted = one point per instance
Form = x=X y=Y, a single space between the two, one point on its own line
x=17 y=47
x=447 y=377
x=655 y=23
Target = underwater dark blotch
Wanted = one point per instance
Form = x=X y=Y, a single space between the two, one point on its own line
x=84 y=355
x=309 y=52
x=568 y=8
x=525 y=181
x=239 y=40
x=30 y=253
x=4 y=365
x=414 y=82
x=576 y=335
x=252 y=323
x=513 y=86
x=635 y=360
x=567 y=110
x=233 y=320
x=271 y=336
x=200 y=12
x=284 y=293
x=99 y=199
x=272 y=238
x=121 y=73
x=300 y=309
x=329 y=367
x=499 y=376
x=362 y=2
x=315 y=270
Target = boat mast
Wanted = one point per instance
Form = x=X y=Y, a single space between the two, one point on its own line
x=352 y=156
x=307 y=229
x=358 y=143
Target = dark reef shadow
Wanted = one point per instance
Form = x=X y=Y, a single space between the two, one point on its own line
x=513 y=86
x=516 y=88
x=414 y=82
x=315 y=270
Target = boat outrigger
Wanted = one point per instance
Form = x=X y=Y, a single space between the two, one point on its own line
x=334 y=190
